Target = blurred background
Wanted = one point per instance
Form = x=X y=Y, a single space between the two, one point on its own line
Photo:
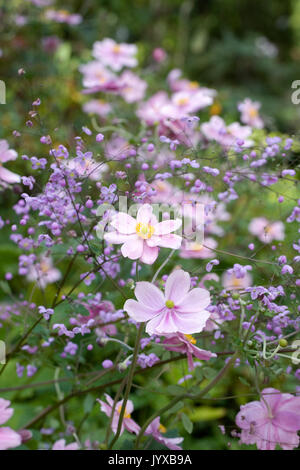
x=249 y=48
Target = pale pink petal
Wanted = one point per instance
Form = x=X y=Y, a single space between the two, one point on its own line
x=167 y=226
x=150 y=296
x=9 y=176
x=131 y=425
x=137 y=311
x=177 y=285
x=202 y=354
x=149 y=254
x=9 y=439
x=124 y=223
x=133 y=248
x=195 y=301
x=252 y=412
x=287 y=440
x=191 y=323
x=115 y=237
x=162 y=324
x=144 y=214
x=5 y=411
x=166 y=241
x=287 y=420
x=272 y=397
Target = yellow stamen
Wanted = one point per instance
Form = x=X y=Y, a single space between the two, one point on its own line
x=196 y=247
x=144 y=231
x=162 y=428
x=193 y=85
x=126 y=414
x=253 y=113
x=116 y=49
x=191 y=339
x=182 y=101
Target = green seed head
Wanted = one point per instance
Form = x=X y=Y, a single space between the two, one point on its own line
x=283 y=343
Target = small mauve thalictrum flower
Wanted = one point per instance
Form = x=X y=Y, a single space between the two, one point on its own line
x=127 y=422
x=8 y=438
x=275 y=419
x=142 y=237
x=179 y=310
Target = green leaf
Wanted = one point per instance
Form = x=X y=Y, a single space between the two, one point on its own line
x=88 y=403
x=187 y=423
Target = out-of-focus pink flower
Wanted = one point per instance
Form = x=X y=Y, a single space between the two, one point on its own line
x=151 y=111
x=63 y=16
x=8 y=438
x=179 y=310
x=98 y=78
x=186 y=344
x=265 y=230
x=232 y=282
x=132 y=87
x=116 y=56
x=100 y=107
x=127 y=423
x=275 y=419
x=43 y=272
x=159 y=55
x=142 y=237
x=6 y=155
x=197 y=250
x=250 y=113
x=156 y=430
x=185 y=102
x=227 y=136
x=61 y=445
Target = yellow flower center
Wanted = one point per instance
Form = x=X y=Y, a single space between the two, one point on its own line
x=253 y=113
x=183 y=101
x=116 y=49
x=144 y=231
x=126 y=414
x=44 y=267
x=215 y=109
x=162 y=428
x=236 y=282
x=193 y=85
x=196 y=247
x=191 y=339
x=170 y=304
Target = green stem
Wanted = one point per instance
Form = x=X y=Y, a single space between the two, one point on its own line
x=128 y=386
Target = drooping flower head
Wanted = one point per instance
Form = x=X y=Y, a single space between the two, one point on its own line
x=127 y=423
x=186 y=344
x=156 y=430
x=178 y=310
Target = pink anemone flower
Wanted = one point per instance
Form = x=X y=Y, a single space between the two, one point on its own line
x=186 y=344
x=61 y=445
x=127 y=423
x=275 y=419
x=156 y=430
x=142 y=237
x=179 y=310
x=6 y=155
x=8 y=438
